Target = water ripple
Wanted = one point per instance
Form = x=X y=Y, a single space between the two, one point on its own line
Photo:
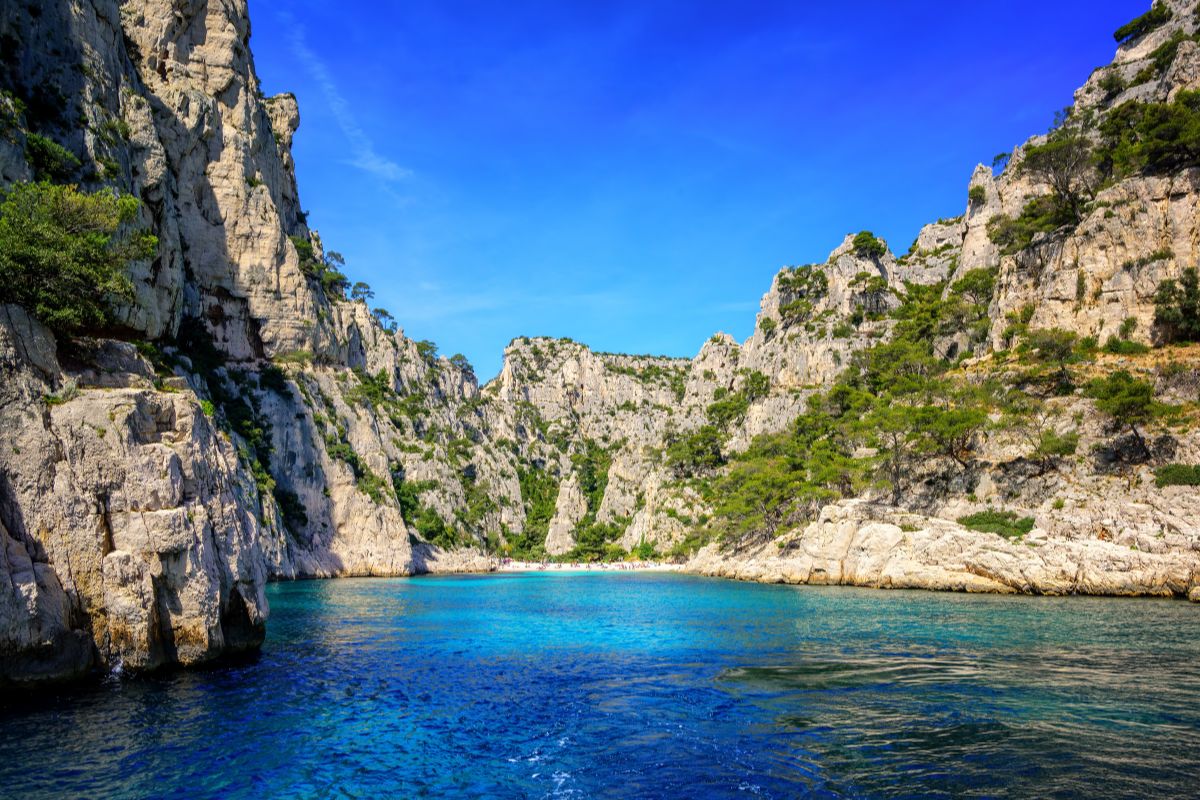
x=643 y=686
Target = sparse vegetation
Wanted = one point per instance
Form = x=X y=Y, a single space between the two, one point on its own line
x=50 y=160
x=1177 y=475
x=1002 y=523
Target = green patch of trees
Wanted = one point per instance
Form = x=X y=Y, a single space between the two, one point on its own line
x=539 y=496
x=1040 y=215
x=429 y=523
x=801 y=288
x=1159 y=15
x=595 y=541
x=730 y=407
x=868 y=245
x=1084 y=153
x=698 y=453
x=64 y=254
x=327 y=272
x=1152 y=138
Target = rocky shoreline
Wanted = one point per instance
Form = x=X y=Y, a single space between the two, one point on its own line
x=856 y=544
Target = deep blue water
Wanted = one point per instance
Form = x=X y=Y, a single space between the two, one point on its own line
x=643 y=685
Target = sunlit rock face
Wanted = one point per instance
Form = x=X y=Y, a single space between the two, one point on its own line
x=130 y=538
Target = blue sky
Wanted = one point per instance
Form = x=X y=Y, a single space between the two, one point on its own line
x=631 y=173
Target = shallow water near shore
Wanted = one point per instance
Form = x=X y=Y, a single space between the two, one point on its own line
x=643 y=685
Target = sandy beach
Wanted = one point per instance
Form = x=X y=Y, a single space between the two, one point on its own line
x=506 y=565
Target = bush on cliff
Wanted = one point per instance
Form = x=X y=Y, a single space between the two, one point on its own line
x=1127 y=400
x=1177 y=475
x=1002 y=523
x=1064 y=162
x=1041 y=215
x=1152 y=20
x=867 y=245
x=1154 y=138
x=49 y=159
x=64 y=253
x=1177 y=308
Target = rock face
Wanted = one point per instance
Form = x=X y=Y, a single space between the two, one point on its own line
x=127 y=529
x=854 y=544
x=267 y=428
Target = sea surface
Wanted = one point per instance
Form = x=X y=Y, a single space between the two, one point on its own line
x=643 y=686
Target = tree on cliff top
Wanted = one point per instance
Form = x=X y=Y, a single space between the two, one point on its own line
x=1065 y=163
x=63 y=253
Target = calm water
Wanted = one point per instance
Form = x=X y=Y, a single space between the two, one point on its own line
x=644 y=686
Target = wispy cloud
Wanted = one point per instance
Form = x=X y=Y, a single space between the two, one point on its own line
x=365 y=156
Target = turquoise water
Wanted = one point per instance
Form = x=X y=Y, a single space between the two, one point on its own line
x=643 y=685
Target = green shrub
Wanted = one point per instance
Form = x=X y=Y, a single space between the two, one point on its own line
x=1163 y=56
x=1040 y=215
x=1124 y=347
x=1177 y=475
x=114 y=131
x=49 y=159
x=867 y=245
x=1112 y=84
x=294 y=357
x=843 y=330
x=1053 y=445
x=1152 y=20
x=62 y=256
x=372 y=391
x=1003 y=523
x=977 y=196
x=767 y=326
x=273 y=379
x=644 y=551
x=1177 y=308
x=12 y=109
